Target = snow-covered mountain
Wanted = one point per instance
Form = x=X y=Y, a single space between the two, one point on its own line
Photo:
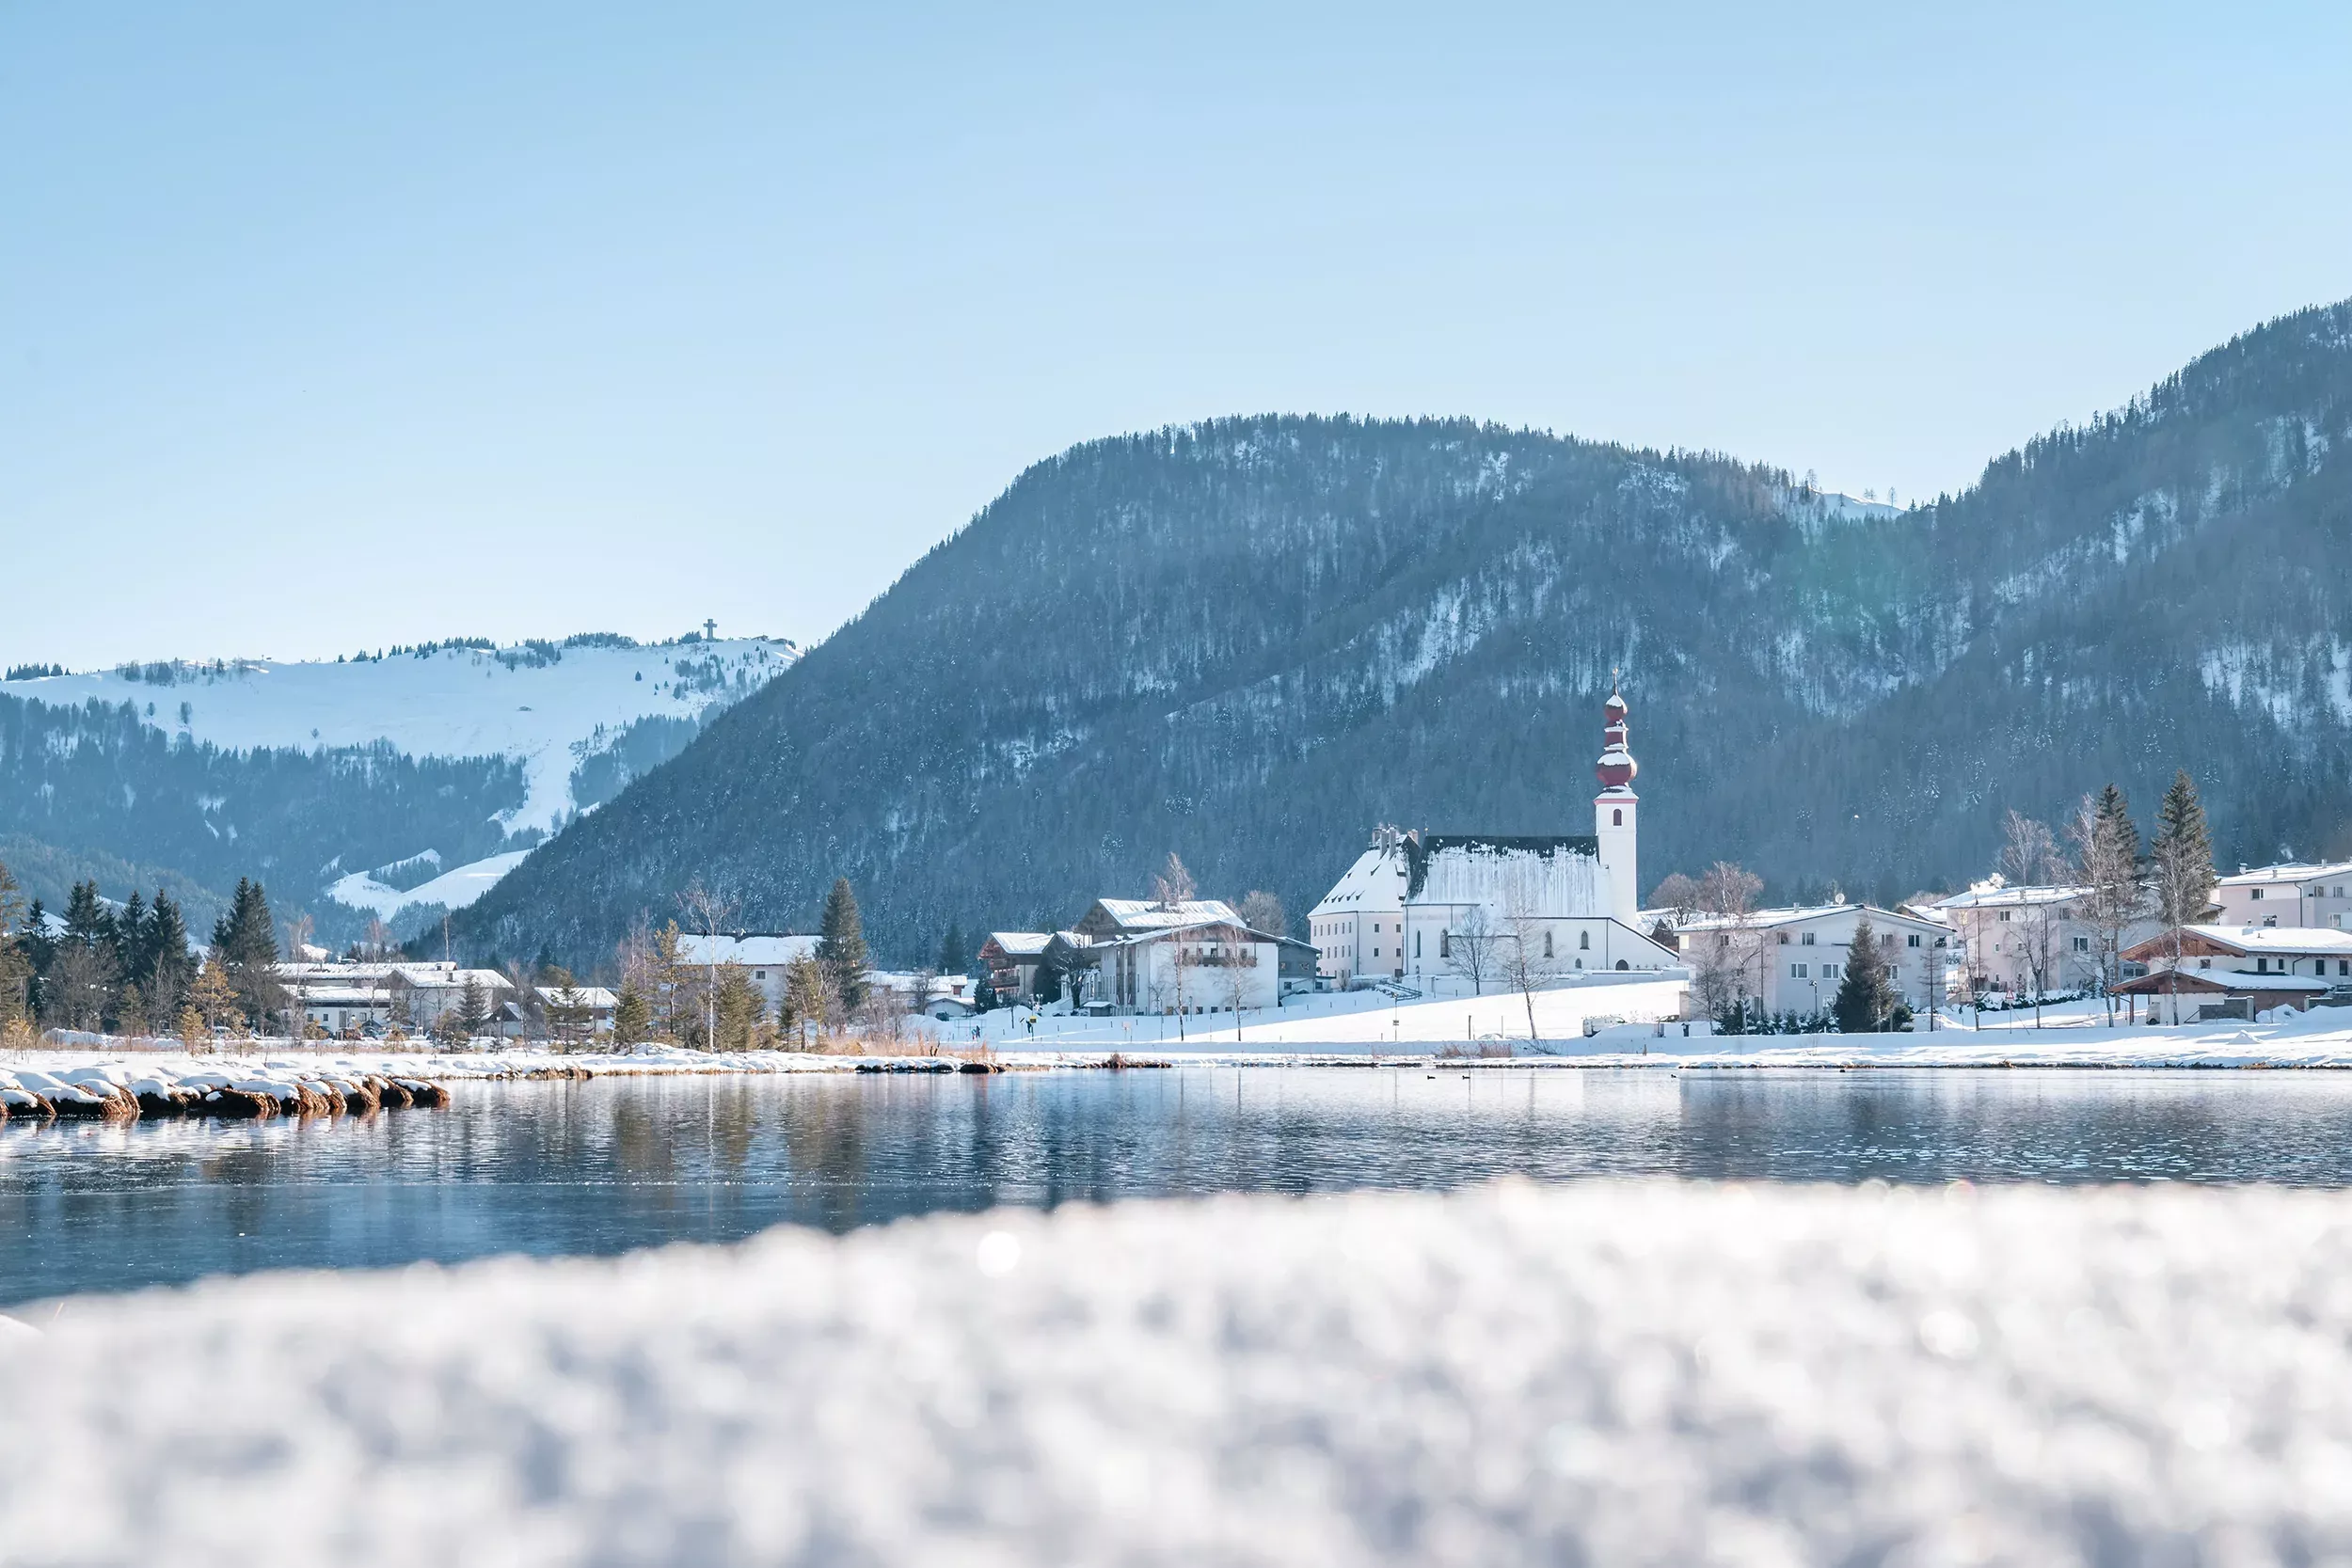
x=572 y=722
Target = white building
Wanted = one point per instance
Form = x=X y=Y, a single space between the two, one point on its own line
x=764 y=956
x=425 y=992
x=2292 y=895
x=1419 y=908
x=2237 y=971
x=1794 y=959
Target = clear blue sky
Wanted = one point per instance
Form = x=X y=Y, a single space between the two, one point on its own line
x=323 y=327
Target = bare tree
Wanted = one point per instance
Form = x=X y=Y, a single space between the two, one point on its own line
x=709 y=913
x=2106 y=857
x=1525 y=955
x=1262 y=912
x=1173 y=885
x=1680 y=896
x=1470 y=951
x=2029 y=855
x=1730 y=892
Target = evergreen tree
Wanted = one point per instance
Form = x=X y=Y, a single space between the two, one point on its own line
x=132 y=937
x=2181 y=855
x=810 y=1003
x=244 y=944
x=170 y=965
x=1867 y=996
x=841 y=945
x=953 y=960
x=2180 y=860
x=474 y=1006
x=86 y=920
x=632 y=1016
x=16 y=969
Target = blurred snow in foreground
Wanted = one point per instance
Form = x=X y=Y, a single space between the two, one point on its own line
x=1607 y=1373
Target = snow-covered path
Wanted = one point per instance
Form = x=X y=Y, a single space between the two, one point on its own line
x=1613 y=1373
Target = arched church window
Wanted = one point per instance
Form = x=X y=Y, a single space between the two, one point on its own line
x=1616 y=817
x=1622 y=965
x=1584 y=941
x=1547 y=945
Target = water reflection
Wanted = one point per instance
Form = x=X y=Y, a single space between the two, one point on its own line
x=603 y=1167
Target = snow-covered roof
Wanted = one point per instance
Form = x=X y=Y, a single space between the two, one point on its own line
x=1984 y=898
x=768 y=949
x=443 y=977
x=1759 y=919
x=2286 y=871
x=582 y=996
x=2159 y=980
x=2270 y=939
x=1021 y=945
x=1142 y=915
x=1374 y=880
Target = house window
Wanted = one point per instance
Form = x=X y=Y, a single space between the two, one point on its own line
x=1829 y=972
x=2261 y=966
x=1796 y=971
x=2204 y=964
x=759 y=974
x=2003 y=916
x=1784 y=939
x=2257 y=896
x=1914 y=941
x=1807 y=940
x=2082 y=945
x=1445 y=944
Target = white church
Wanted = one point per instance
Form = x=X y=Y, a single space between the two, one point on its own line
x=1418 y=906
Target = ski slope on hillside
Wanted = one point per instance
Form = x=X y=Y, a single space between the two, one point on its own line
x=546 y=706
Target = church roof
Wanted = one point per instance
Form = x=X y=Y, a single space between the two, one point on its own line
x=1421 y=848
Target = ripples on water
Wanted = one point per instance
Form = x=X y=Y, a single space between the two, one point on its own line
x=603 y=1167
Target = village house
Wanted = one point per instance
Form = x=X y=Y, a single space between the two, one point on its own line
x=2236 y=970
x=1792 y=961
x=1010 y=959
x=1194 y=956
x=1417 y=908
x=2290 y=895
x=763 y=956
x=421 y=994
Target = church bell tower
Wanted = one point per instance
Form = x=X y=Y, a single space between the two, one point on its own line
x=1614 y=812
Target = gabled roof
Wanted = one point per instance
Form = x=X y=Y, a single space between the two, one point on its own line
x=582 y=996
x=2250 y=941
x=2286 y=871
x=1142 y=915
x=1020 y=945
x=2011 y=897
x=1421 y=848
x=773 y=949
x=1764 y=920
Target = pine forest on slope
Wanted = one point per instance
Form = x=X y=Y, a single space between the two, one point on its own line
x=1251 y=640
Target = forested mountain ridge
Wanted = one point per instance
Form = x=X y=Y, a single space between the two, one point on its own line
x=1252 y=638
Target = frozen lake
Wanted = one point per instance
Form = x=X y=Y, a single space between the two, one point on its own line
x=555 y=1169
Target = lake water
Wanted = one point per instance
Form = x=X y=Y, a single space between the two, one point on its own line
x=603 y=1167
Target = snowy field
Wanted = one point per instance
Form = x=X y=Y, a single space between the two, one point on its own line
x=1627 y=1374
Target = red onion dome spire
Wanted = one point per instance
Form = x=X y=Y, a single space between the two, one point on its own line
x=1617 y=766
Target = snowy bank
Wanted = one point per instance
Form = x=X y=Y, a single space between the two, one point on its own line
x=1614 y=1374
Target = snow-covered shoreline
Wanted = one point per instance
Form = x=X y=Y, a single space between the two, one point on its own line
x=2320 y=1040
x=1623 y=1372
